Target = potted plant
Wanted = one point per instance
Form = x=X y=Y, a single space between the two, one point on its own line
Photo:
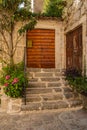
x=78 y=83
x=13 y=79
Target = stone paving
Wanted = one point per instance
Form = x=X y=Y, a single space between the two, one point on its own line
x=74 y=119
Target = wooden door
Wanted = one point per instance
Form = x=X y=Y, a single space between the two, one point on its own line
x=41 y=54
x=74 y=49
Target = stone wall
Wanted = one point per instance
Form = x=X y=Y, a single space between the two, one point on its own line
x=76 y=15
x=38 y=6
x=44 y=23
x=59 y=41
x=19 y=54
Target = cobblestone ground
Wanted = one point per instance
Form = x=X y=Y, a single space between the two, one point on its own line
x=49 y=120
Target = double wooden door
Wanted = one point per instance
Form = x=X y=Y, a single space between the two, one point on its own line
x=41 y=48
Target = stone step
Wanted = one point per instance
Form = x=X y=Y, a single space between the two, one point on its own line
x=51 y=105
x=45 y=105
x=44 y=84
x=42 y=90
x=31 y=107
x=48 y=79
x=75 y=102
x=44 y=97
x=33 y=98
x=43 y=74
x=44 y=70
x=36 y=85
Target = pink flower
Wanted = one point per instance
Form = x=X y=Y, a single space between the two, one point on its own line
x=7 y=77
x=6 y=84
x=15 y=80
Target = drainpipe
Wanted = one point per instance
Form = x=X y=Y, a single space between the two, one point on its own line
x=32 y=6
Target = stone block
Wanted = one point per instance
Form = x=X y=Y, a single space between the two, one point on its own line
x=16 y=101
x=75 y=103
x=65 y=82
x=31 y=107
x=54 y=84
x=68 y=95
x=77 y=15
x=84 y=101
x=57 y=90
x=50 y=79
x=34 y=69
x=4 y=102
x=51 y=97
x=43 y=74
x=30 y=75
x=15 y=108
x=58 y=97
x=75 y=94
x=54 y=105
x=33 y=98
x=37 y=85
x=33 y=79
x=38 y=90
x=14 y=105
x=67 y=89
x=51 y=70
x=58 y=74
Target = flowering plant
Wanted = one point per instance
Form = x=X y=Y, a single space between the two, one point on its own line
x=13 y=79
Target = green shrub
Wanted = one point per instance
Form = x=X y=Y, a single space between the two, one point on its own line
x=54 y=8
x=76 y=80
x=13 y=79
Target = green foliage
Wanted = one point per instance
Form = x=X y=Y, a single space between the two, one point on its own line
x=76 y=81
x=54 y=8
x=13 y=79
x=10 y=15
x=28 y=26
x=0 y=1
x=13 y=5
x=72 y=73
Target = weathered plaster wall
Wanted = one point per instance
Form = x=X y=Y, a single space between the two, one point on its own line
x=76 y=16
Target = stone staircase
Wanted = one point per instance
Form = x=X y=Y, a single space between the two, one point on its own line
x=48 y=90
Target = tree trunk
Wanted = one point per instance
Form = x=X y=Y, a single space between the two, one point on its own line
x=11 y=46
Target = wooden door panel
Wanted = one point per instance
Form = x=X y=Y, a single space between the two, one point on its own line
x=74 y=49
x=42 y=52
